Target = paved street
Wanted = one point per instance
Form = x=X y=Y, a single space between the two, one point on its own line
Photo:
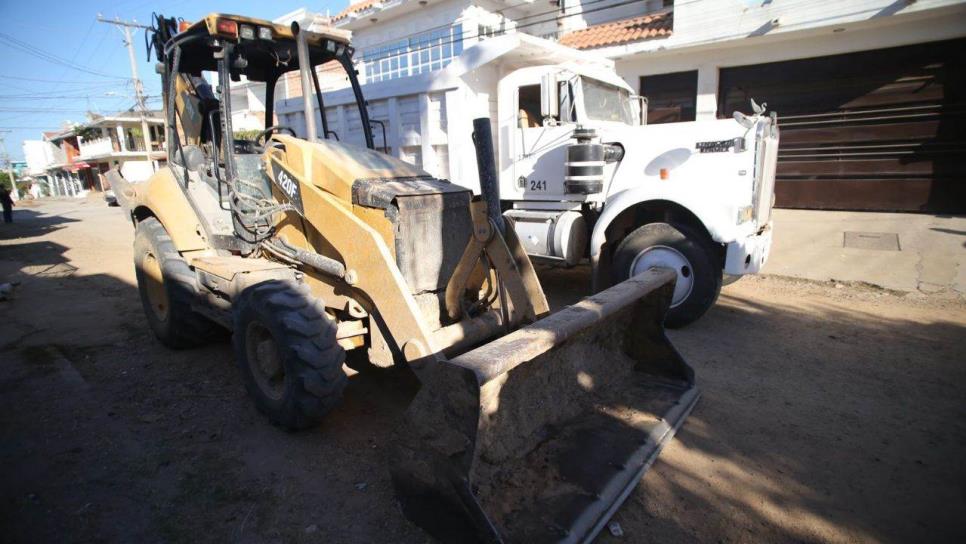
x=831 y=412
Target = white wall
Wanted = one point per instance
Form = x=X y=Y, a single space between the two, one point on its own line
x=389 y=28
x=95 y=147
x=595 y=12
x=38 y=156
x=707 y=22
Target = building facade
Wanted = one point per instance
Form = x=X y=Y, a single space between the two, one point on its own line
x=869 y=93
x=38 y=156
x=119 y=141
x=61 y=171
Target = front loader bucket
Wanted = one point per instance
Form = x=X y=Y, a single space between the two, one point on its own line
x=540 y=435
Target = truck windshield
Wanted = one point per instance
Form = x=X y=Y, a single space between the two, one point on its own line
x=606 y=102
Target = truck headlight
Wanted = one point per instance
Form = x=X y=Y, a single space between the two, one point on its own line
x=744 y=214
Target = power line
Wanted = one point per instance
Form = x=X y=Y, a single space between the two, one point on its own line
x=500 y=11
x=41 y=110
x=31 y=127
x=34 y=51
x=465 y=34
x=141 y=104
x=98 y=46
x=74 y=90
x=63 y=81
x=61 y=97
x=448 y=25
x=77 y=50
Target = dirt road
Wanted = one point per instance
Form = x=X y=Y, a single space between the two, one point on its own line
x=829 y=414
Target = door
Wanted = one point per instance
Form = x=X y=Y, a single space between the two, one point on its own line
x=538 y=152
x=875 y=130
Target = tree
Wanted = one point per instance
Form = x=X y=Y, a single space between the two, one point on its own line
x=5 y=180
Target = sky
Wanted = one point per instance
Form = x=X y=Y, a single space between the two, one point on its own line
x=89 y=69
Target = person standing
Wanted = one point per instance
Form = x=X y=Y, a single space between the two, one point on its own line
x=7 y=203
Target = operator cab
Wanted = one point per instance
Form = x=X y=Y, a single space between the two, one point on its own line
x=199 y=62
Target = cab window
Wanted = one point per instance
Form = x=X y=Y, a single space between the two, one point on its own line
x=528 y=103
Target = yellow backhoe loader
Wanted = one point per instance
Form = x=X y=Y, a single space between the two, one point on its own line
x=527 y=426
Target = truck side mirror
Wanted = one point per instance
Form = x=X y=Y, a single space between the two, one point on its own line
x=549 y=97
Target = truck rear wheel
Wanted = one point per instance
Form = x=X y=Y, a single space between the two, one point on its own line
x=288 y=354
x=167 y=287
x=678 y=247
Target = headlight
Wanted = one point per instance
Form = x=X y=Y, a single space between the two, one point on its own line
x=246 y=32
x=264 y=33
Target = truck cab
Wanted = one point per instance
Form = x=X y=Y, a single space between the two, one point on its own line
x=582 y=174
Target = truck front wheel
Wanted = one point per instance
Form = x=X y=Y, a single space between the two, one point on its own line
x=682 y=249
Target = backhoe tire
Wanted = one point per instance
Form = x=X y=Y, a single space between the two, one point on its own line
x=679 y=247
x=287 y=353
x=167 y=287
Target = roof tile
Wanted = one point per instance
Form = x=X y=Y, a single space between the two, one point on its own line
x=356 y=7
x=635 y=29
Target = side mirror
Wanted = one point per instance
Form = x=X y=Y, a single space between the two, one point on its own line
x=549 y=97
x=642 y=105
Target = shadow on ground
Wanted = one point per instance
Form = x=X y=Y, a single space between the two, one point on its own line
x=28 y=222
x=817 y=424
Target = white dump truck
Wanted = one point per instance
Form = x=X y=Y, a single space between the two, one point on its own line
x=581 y=174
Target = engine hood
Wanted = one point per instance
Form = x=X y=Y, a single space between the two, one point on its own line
x=335 y=166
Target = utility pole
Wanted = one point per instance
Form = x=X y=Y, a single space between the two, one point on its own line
x=6 y=157
x=142 y=106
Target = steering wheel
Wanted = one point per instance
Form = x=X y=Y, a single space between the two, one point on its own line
x=259 y=138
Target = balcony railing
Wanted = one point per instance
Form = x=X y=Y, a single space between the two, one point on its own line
x=94 y=148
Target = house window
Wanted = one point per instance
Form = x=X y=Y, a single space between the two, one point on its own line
x=421 y=53
x=671 y=98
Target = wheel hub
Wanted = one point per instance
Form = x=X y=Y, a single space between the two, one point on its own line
x=157 y=296
x=262 y=352
x=667 y=257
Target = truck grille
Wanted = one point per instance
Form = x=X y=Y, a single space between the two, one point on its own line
x=767 y=158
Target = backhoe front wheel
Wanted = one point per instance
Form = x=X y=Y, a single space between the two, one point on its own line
x=677 y=247
x=167 y=287
x=287 y=353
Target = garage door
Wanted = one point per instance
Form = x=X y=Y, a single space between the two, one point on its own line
x=877 y=130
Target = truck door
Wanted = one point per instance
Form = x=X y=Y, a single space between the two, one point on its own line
x=538 y=151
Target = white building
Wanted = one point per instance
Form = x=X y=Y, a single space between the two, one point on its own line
x=869 y=93
x=62 y=175
x=39 y=155
x=119 y=141
x=248 y=97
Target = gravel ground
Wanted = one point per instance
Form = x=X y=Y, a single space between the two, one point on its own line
x=830 y=413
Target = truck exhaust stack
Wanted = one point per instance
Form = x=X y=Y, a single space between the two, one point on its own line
x=540 y=435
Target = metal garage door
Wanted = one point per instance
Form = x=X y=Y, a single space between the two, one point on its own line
x=877 y=130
